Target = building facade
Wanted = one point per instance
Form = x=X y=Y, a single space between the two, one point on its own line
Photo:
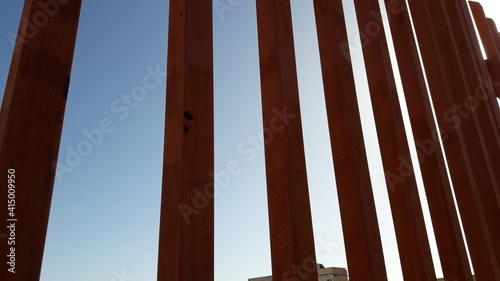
x=324 y=274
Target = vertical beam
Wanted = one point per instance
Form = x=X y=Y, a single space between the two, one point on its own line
x=359 y=219
x=31 y=122
x=186 y=247
x=496 y=39
x=487 y=38
x=474 y=72
x=292 y=242
x=440 y=200
x=460 y=140
x=481 y=112
x=466 y=45
x=496 y=34
x=472 y=39
x=406 y=209
x=484 y=30
x=494 y=64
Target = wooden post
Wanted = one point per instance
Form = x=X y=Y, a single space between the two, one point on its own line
x=487 y=31
x=186 y=247
x=31 y=122
x=493 y=63
x=466 y=45
x=292 y=242
x=359 y=219
x=494 y=30
x=470 y=61
x=483 y=27
x=440 y=200
x=467 y=25
x=413 y=244
x=460 y=139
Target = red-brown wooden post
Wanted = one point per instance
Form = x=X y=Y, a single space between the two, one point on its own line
x=487 y=31
x=468 y=26
x=466 y=45
x=292 y=242
x=406 y=209
x=483 y=27
x=471 y=62
x=494 y=64
x=497 y=37
x=359 y=219
x=452 y=251
x=460 y=140
x=494 y=30
x=186 y=247
x=31 y=122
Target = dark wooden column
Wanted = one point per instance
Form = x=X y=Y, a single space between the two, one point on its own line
x=292 y=242
x=496 y=39
x=186 y=247
x=406 y=209
x=31 y=122
x=467 y=24
x=492 y=63
x=466 y=45
x=481 y=111
x=359 y=219
x=460 y=140
x=440 y=200
x=487 y=31
x=495 y=35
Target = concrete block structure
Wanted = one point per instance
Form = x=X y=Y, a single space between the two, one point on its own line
x=324 y=274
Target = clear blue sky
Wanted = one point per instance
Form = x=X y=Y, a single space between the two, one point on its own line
x=105 y=212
